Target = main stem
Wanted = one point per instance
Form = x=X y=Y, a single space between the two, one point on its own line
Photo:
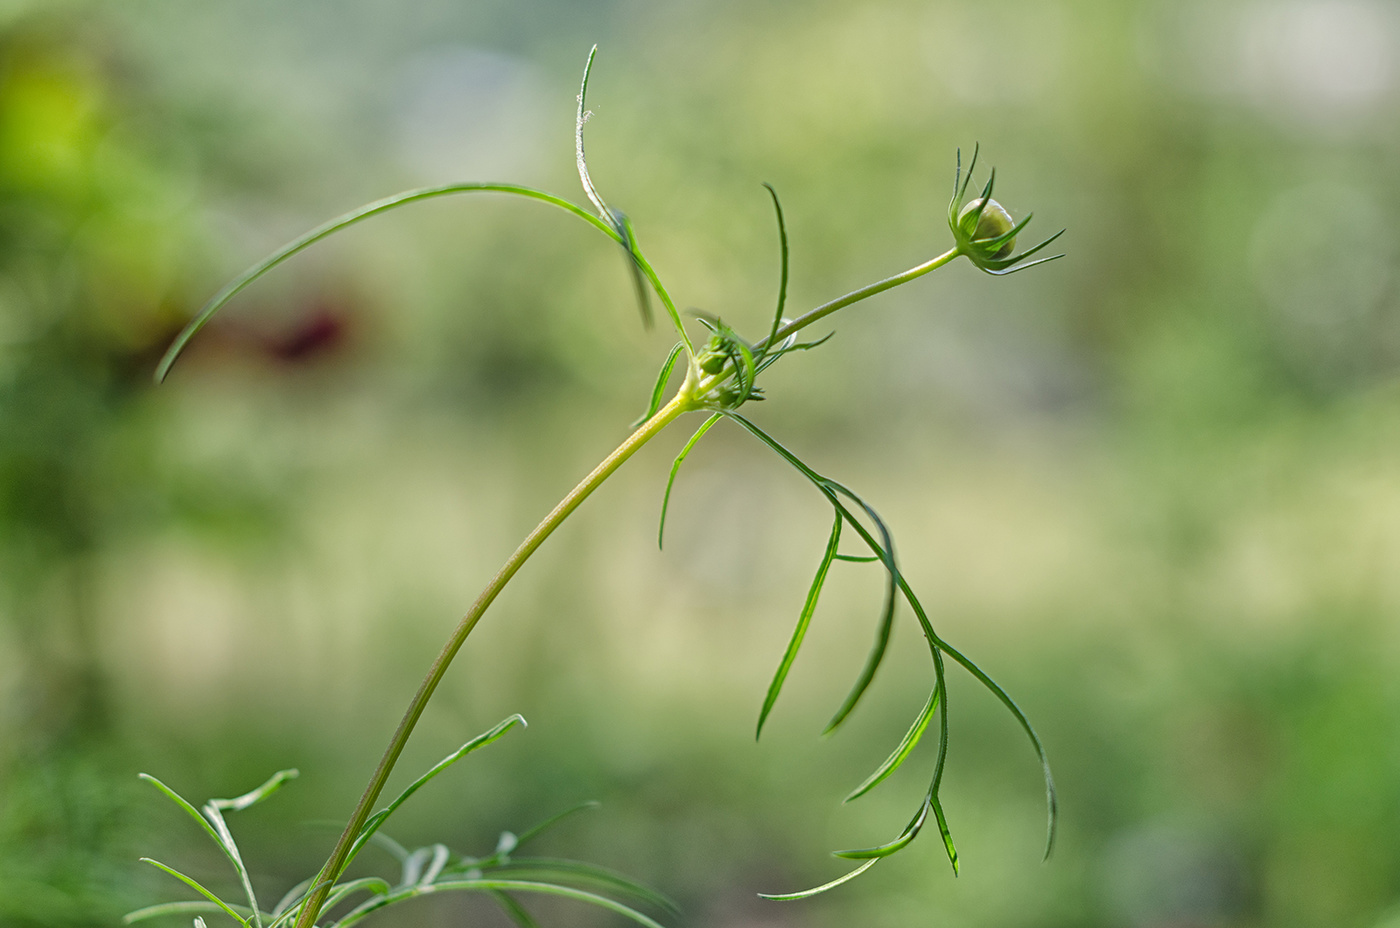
x=681 y=403
x=684 y=401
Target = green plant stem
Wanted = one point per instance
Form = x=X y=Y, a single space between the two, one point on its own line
x=682 y=402
x=855 y=296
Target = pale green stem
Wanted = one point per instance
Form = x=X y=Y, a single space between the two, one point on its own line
x=684 y=401
x=855 y=296
x=706 y=384
x=681 y=403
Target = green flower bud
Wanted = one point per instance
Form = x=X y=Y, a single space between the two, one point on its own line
x=994 y=222
x=984 y=231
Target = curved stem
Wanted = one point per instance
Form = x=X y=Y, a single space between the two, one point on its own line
x=681 y=403
x=855 y=296
x=708 y=383
x=232 y=288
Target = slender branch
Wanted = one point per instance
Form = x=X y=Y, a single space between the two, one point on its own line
x=708 y=383
x=855 y=296
x=681 y=403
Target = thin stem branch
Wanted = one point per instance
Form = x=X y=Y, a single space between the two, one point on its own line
x=681 y=403
x=855 y=296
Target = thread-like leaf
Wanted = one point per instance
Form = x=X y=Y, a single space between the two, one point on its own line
x=808 y=893
x=213 y=824
x=883 y=628
x=789 y=345
x=532 y=833
x=620 y=227
x=1022 y=267
x=480 y=741
x=909 y=833
x=830 y=489
x=803 y=621
x=1051 y=797
x=945 y=832
x=230 y=846
x=675 y=468
x=1005 y=265
x=214 y=810
x=658 y=391
x=170 y=908
x=190 y=810
x=901 y=752
x=235 y=286
x=783 y=274
x=580 y=158
x=550 y=869
x=488 y=885
x=639 y=280
x=967 y=180
x=253 y=797
x=194 y=884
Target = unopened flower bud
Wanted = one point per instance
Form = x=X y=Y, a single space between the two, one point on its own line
x=983 y=230
x=994 y=222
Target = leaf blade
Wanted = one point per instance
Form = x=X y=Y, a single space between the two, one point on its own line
x=809 y=608
x=901 y=751
x=675 y=468
x=378 y=819
x=330 y=227
x=808 y=893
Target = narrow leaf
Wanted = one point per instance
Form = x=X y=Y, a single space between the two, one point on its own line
x=549 y=869
x=885 y=625
x=971 y=166
x=872 y=662
x=783 y=277
x=675 y=468
x=639 y=280
x=498 y=886
x=580 y=158
x=216 y=818
x=235 y=286
x=1051 y=798
x=900 y=753
x=550 y=822
x=807 y=893
x=910 y=832
x=481 y=740
x=190 y=810
x=194 y=884
x=945 y=832
x=170 y=908
x=274 y=783
x=803 y=621
x=1021 y=267
x=375 y=886
x=658 y=392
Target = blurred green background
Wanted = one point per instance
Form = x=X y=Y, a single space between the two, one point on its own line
x=1154 y=488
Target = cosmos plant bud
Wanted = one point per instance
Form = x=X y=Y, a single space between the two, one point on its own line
x=984 y=230
x=993 y=223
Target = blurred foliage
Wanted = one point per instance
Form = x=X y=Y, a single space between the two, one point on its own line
x=1151 y=487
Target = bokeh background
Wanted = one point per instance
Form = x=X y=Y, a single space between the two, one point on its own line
x=1154 y=488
